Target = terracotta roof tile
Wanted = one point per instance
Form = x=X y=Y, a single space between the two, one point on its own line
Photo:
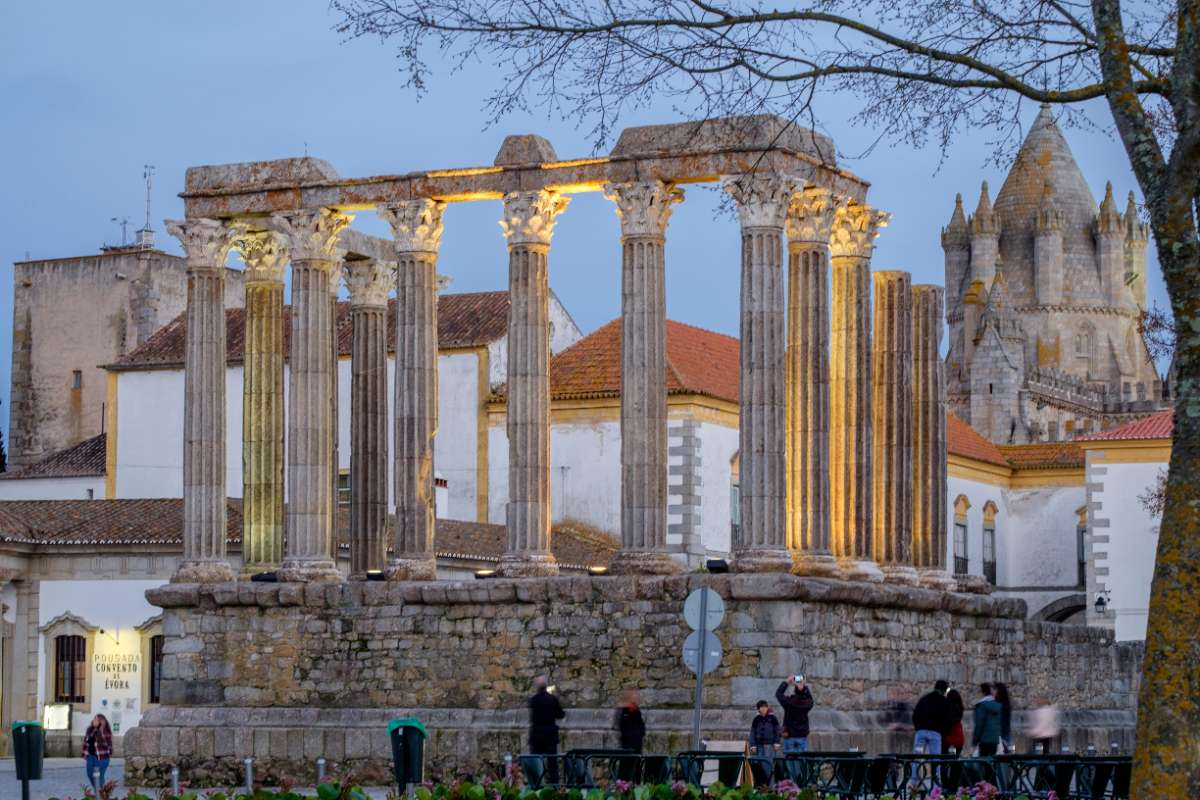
x=160 y=522
x=85 y=459
x=963 y=440
x=698 y=362
x=464 y=320
x=1043 y=455
x=1156 y=426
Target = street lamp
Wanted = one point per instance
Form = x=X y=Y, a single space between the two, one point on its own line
x=1102 y=603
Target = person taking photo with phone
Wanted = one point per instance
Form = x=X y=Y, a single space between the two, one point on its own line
x=797 y=700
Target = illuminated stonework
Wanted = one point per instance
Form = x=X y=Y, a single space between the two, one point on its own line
x=644 y=208
x=416 y=224
x=530 y=217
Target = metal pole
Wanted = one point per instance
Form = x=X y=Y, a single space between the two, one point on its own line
x=25 y=789
x=320 y=770
x=175 y=781
x=249 y=764
x=700 y=659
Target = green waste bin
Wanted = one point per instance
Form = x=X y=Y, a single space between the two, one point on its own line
x=408 y=750
x=28 y=744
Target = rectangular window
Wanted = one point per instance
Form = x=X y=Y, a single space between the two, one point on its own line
x=1081 y=547
x=77 y=379
x=343 y=493
x=70 y=673
x=735 y=515
x=156 y=662
x=989 y=554
x=960 y=548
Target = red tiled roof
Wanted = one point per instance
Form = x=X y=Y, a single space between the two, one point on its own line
x=698 y=362
x=464 y=320
x=1157 y=426
x=160 y=522
x=1043 y=455
x=84 y=460
x=963 y=440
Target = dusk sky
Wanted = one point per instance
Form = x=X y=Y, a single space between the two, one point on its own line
x=92 y=91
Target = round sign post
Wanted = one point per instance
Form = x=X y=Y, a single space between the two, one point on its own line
x=703 y=611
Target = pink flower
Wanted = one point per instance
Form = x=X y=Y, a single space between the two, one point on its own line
x=936 y=794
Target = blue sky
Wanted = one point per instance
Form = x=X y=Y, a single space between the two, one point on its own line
x=92 y=91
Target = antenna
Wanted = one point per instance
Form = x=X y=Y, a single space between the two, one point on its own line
x=146 y=234
x=124 y=223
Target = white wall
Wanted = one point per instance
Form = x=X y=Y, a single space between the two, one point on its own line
x=118 y=607
x=1125 y=563
x=457 y=443
x=52 y=488
x=718 y=444
x=1040 y=542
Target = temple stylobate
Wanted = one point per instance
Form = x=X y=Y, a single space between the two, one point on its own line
x=805 y=407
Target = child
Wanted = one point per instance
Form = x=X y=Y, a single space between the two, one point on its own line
x=764 y=731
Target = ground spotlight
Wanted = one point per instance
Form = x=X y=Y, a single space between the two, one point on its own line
x=265 y=577
x=597 y=570
x=376 y=575
x=717 y=566
x=481 y=574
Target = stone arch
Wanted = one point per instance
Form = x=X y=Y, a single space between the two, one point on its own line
x=1061 y=609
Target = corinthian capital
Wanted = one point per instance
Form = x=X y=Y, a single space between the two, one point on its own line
x=645 y=207
x=310 y=234
x=854 y=230
x=263 y=253
x=416 y=224
x=529 y=217
x=206 y=242
x=811 y=215
x=762 y=198
x=369 y=281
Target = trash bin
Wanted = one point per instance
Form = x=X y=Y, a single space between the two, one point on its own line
x=408 y=750
x=28 y=744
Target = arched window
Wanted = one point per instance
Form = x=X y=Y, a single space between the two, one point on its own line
x=961 y=562
x=989 y=541
x=735 y=500
x=68 y=651
x=1084 y=341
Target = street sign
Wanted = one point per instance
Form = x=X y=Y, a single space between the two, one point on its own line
x=713 y=609
x=692 y=648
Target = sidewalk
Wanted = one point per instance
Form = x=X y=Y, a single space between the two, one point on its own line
x=63 y=778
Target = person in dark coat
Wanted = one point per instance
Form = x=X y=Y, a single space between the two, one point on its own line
x=1001 y=693
x=930 y=721
x=988 y=721
x=797 y=700
x=630 y=723
x=954 y=738
x=764 y=731
x=544 y=713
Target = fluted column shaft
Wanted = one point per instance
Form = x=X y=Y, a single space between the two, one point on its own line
x=417 y=229
x=762 y=202
x=810 y=218
x=891 y=372
x=855 y=228
x=368 y=282
x=930 y=521
x=206 y=243
x=644 y=209
x=312 y=379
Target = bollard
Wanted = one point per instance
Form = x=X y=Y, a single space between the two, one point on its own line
x=1037 y=749
x=508 y=767
x=1066 y=749
x=175 y=781
x=320 y=770
x=249 y=764
x=1091 y=749
x=1116 y=748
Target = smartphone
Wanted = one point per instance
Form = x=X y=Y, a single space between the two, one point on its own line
x=799 y=678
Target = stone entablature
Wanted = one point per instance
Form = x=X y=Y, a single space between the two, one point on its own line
x=239 y=681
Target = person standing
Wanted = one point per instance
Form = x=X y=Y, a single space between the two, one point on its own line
x=930 y=720
x=544 y=713
x=630 y=723
x=797 y=700
x=1044 y=730
x=1001 y=692
x=97 y=750
x=764 y=731
x=988 y=713
x=954 y=738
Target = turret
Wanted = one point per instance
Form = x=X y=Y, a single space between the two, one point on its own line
x=1137 y=234
x=1048 y=250
x=1110 y=250
x=956 y=244
x=985 y=240
x=998 y=369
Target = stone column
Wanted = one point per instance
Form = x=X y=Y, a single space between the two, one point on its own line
x=762 y=201
x=311 y=236
x=854 y=231
x=891 y=372
x=644 y=209
x=206 y=243
x=368 y=281
x=809 y=225
x=417 y=230
x=262 y=402
x=930 y=523
x=528 y=224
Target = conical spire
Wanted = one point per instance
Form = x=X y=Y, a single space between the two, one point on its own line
x=1135 y=229
x=955 y=233
x=1109 y=219
x=1049 y=218
x=983 y=221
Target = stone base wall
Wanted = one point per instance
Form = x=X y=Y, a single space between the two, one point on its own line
x=287 y=673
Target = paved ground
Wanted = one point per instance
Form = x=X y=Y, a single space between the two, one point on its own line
x=63 y=778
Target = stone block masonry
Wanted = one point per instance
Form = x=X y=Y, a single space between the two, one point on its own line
x=288 y=672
